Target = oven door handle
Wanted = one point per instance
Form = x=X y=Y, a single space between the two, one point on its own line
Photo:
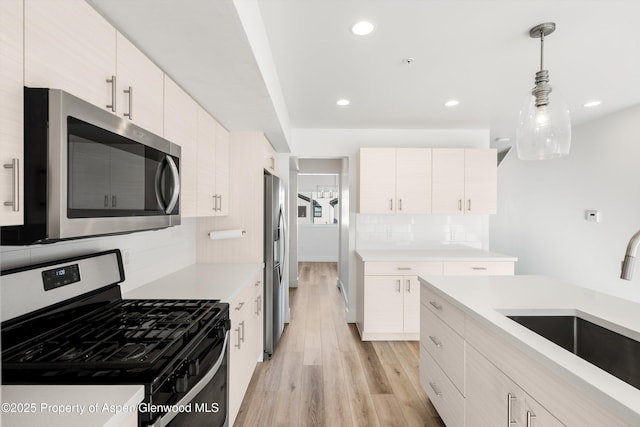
x=166 y=418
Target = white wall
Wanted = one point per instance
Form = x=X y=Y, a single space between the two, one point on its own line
x=332 y=143
x=147 y=255
x=541 y=207
x=318 y=242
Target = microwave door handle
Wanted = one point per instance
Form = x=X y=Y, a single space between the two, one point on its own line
x=175 y=191
x=158 y=182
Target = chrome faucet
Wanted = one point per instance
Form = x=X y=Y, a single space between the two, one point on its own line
x=630 y=257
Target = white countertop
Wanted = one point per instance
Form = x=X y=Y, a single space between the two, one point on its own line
x=202 y=281
x=70 y=406
x=488 y=298
x=452 y=253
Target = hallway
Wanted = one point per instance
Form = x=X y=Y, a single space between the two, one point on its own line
x=323 y=375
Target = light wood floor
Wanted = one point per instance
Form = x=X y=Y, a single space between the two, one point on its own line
x=321 y=373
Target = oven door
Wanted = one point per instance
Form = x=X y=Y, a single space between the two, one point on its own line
x=206 y=403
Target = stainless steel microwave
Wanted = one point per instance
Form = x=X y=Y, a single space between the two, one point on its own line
x=88 y=172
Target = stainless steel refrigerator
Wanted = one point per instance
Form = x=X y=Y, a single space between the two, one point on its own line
x=275 y=249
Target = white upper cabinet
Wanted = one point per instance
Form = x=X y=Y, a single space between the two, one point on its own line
x=206 y=177
x=222 y=170
x=480 y=181
x=464 y=181
x=181 y=127
x=448 y=180
x=11 y=113
x=413 y=180
x=69 y=46
x=140 y=85
x=377 y=180
x=395 y=180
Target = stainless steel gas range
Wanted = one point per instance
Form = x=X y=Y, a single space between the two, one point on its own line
x=65 y=322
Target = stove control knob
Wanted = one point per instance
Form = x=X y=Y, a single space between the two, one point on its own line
x=194 y=368
x=182 y=383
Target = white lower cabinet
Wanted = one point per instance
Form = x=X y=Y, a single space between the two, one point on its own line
x=493 y=399
x=245 y=342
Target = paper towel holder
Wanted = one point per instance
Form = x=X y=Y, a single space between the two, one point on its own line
x=227 y=234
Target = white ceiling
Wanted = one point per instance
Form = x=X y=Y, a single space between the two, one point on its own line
x=477 y=51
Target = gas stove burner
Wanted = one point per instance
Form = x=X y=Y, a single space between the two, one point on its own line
x=130 y=351
x=73 y=353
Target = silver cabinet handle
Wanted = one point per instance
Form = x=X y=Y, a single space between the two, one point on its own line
x=106 y=200
x=435 y=389
x=469 y=205
x=114 y=201
x=530 y=417
x=238 y=331
x=130 y=113
x=436 y=341
x=220 y=198
x=15 y=184
x=408 y=289
x=242 y=336
x=273 y=163
x=479 y=268
x=436 y=305
x=400 y=204
x=239 y=306
x=259 y=304
x=459 y=204
x=114 y=93
x=398 y=287
x=510 y=399
x=390 y=204
x=215 y=202
x=404 y=268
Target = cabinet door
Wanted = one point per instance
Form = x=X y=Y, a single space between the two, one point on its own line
x=222 y=170
x=448 y=181
x=413 y=180
x=538 y=415
x=11 y=112
x=377 y=180
x=383 y=304
x=69 y=46
x=237 y=370
x=411 y=295
x=480 y=181
x=491 y=397
x=140 y=87
x=269 y=158
x=206 y=186
x=180 y=127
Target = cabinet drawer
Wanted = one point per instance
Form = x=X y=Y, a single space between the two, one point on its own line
x=403 y=268
x=438 y=305
x=444 y=345
x=478 y=268
x=441 y=391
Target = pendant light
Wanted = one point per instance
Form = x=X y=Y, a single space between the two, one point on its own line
x=544 y=125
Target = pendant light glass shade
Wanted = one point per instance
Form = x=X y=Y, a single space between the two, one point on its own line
x=544 y=125
x=543 y=132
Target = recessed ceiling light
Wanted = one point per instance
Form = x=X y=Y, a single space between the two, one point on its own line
x=343 y=102
x=592 y=104
x=362 y=28
x=451 y=103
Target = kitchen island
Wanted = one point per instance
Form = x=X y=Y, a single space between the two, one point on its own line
x=478 y=366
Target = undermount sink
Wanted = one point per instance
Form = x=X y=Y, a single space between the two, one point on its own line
x=613 y=352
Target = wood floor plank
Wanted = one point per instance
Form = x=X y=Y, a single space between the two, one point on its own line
x=388 y=410
x=385 y=353
x=362 y=408
x=312 y=402
x=413 y=403
x=374 y=372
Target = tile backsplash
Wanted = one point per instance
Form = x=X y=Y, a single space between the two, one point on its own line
x=147 y=255
x=421 y=231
